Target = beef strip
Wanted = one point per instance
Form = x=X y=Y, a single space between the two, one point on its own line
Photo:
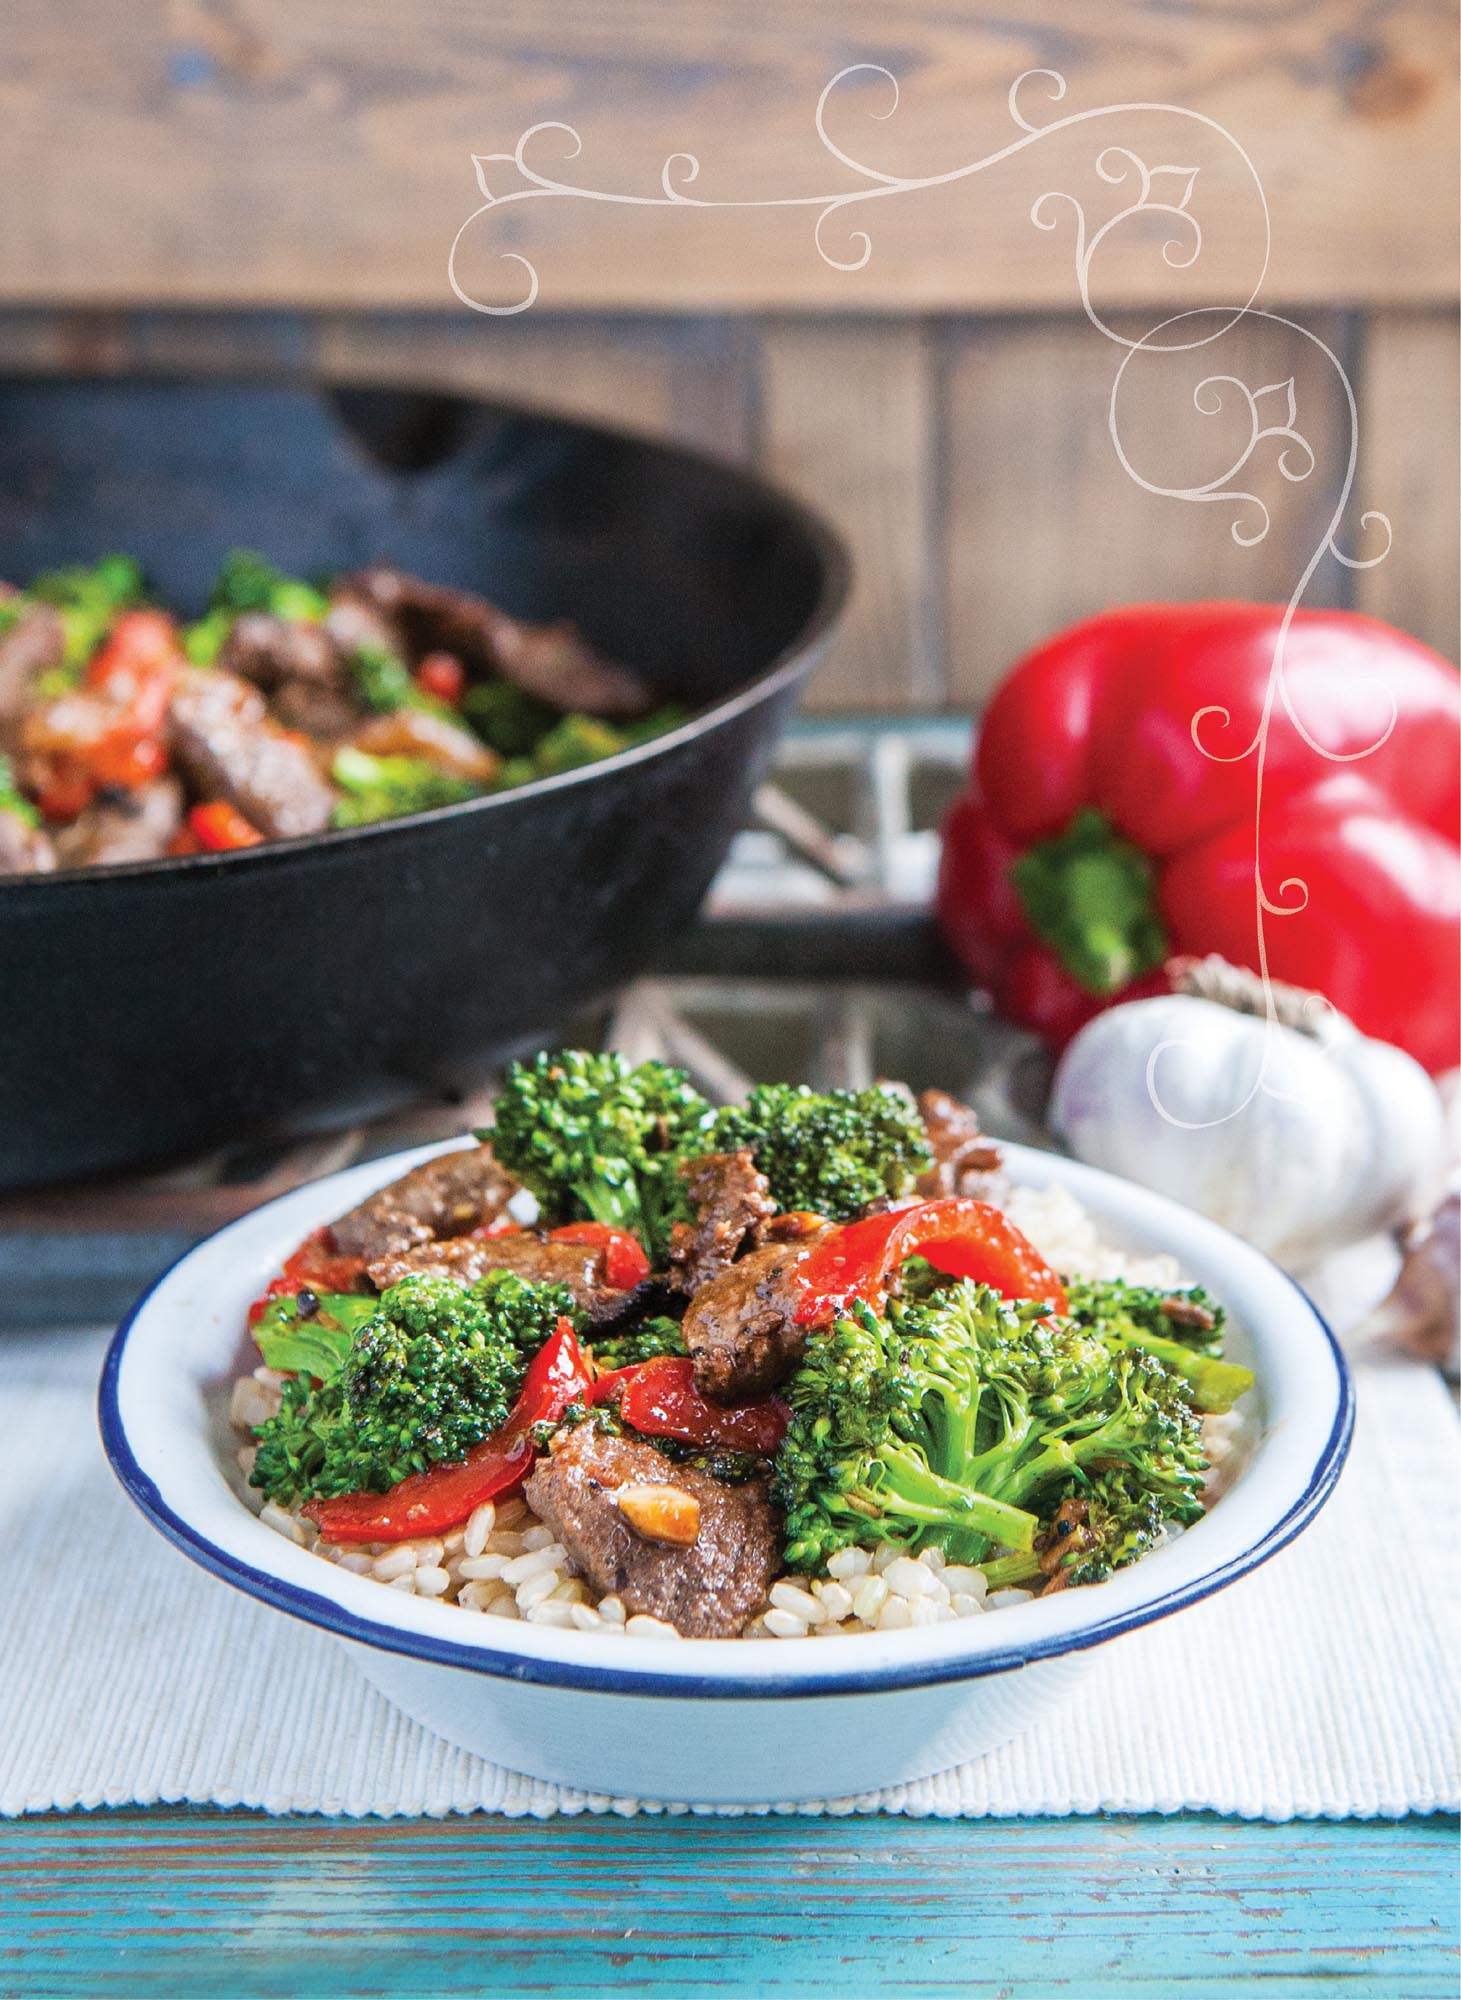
x=446 y=1196
x=226 y=746
x=355 y=623
x=732 y=1201
x=123 y=826
x=965 y=1162
x=24 y=849
x=552 y=661
x=740 y=1330
x=329 y=714
x=300 y=667
x=556 y=663
x=468 y=1259
x=33 y=644
x=269 y=650
x=707 y=1591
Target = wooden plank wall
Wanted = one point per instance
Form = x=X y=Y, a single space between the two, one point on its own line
x=275 y=183
x=319 y=152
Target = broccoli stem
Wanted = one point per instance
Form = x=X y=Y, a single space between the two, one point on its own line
x=910 y=1489
x=616 y=1205
x=1005 y=1572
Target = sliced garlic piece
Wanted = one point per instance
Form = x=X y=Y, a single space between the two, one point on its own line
x=661 y=1513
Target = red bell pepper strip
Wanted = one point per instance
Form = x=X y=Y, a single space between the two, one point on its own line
x=426 y=1503
x=110 y=731
x=966 y=1239
x=219 y=828
x=1097 y=837
x=659 y=1398
x=624 y=1263
x=316 y=1266
x=442 y=676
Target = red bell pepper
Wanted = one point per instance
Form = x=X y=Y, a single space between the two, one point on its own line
x=220 y=828
x=110 y=731
x=659 y=1397
x=443 y=677
x=316 y=1266
x=623 y=1261
x=965 y=1239
x=426 y=1503
x=1097 y=836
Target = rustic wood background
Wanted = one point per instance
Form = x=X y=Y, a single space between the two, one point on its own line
x=220 y=183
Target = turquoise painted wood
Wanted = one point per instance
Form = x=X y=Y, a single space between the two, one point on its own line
x=184 y=1903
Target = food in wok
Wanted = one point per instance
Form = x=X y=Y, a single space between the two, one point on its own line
x=128 y=735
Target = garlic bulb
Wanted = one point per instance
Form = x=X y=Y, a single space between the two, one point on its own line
x=1298 y=1140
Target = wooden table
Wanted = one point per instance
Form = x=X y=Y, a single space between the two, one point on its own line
x=186 y=1903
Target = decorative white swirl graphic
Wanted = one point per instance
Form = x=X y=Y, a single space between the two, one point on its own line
x=1166 y=192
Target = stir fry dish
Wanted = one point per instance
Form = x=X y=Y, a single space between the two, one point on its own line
x=127 y=734
x=635 y=1363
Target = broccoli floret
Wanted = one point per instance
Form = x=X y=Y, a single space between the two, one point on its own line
x=964 y=1420
x=507 y=718
x=298 y=1444
x=204 y=639
x=882 y=1444
x=12 y=799
x=383 y=682
x=512 y=772
x=433 y=1370
x=669 y=715
x=247 y=582
x=597 y=1139
x=1191 y=1315
x=575 y=740
x=528 y=1313
x=1183 y=1329
x=88 y=600
x=833 y=1152
x=388 y=787
x=535 y=741
x=1119 y=1519
x=1125 y=1518
x=645 y=1342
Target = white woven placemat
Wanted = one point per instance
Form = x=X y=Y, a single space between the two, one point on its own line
x=1324 y=1684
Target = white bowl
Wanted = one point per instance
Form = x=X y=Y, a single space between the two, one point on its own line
x=713 y=1720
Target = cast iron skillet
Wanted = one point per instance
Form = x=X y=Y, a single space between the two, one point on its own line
x=147 y=1012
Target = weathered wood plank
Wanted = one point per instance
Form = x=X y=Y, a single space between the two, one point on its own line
x=1044 y=523
x=321 y=155
x=607 y=373
x=847 y=417
x=1409 y=393
x=690 y=376
x=162 y=1904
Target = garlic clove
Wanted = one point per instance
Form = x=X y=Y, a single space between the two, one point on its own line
x=660 y=1513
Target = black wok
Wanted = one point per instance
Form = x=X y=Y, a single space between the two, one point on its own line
x=151 y=1011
